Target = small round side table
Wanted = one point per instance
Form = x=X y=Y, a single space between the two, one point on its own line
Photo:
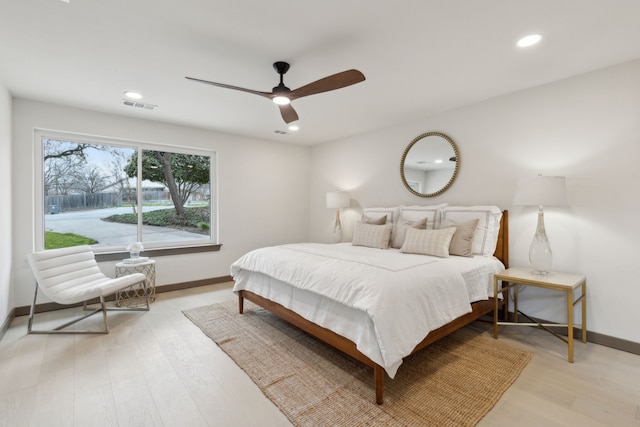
x=134 y=294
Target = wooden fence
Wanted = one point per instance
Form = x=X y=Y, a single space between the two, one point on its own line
x=71 y=202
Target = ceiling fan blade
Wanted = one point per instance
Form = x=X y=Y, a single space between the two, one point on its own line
x=255 y=92
x=288 y=113
x=335 y=81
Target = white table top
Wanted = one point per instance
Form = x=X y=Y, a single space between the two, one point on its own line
x=554 y=279
x=122 y=264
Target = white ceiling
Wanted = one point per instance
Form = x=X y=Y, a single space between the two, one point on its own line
x=419 y=57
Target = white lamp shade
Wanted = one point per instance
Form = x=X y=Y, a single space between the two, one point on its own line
x=337 y=199
x=541 y=191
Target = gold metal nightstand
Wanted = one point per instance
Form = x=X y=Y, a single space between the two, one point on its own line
x=568 y=283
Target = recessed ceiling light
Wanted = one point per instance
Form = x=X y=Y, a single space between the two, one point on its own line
x=529 y=40
x=294 y=128
x=132 y=95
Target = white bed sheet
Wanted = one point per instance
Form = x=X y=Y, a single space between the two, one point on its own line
x=375 y=298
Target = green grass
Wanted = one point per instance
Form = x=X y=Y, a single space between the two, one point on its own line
x=53 y=240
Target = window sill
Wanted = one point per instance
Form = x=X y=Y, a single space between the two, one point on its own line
x=154 y=253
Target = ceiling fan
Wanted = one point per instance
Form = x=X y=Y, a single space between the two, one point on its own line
x=282 y=95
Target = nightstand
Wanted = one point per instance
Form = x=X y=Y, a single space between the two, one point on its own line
x=135 y=295
x=567 y=283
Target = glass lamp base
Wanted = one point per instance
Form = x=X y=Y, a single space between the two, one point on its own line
x=539 y=273
x=540 y=255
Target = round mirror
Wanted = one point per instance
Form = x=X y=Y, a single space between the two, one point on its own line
x=429 y=164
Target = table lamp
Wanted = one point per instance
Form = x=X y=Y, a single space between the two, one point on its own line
x=337 y=200
x=540 y=191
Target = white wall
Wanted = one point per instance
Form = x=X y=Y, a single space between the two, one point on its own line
x=6 y=294
x=263 y=188
x=586 y=128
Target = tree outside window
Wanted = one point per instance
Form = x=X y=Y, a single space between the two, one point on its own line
x=112 y=195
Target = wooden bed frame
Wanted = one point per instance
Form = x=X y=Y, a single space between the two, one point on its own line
x=479 y=309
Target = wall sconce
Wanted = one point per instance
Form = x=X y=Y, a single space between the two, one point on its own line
x=337 y=200
x=541 y=191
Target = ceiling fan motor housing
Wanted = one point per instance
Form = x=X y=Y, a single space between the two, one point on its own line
x=281 y=67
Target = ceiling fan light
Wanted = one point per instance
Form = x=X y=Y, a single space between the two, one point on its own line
x=281 y=100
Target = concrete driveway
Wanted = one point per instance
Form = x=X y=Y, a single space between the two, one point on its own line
x=89 y=224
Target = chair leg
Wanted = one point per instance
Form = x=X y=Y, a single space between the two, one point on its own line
x=60 y=329
x=32 y=310
x=104 y=315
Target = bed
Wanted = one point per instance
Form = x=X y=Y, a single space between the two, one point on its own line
x=379 y=304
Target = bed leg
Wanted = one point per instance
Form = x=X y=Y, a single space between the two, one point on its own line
x=240 y=303
x=378 y=379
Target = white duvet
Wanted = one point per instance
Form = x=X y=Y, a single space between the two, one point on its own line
x=401 y=296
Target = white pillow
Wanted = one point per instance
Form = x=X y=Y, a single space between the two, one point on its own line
x=428 y=242
x=372 y=236
x=400 y=230
x=416 y=213
x=485 y=237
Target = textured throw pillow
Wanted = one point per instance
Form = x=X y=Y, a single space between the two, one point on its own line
x=375 y=221
x=400 y=230
x=486 y=236
x=462 y=240
x=372 y=236
x=428 y=242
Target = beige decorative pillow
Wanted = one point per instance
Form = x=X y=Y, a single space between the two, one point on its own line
x=375 y=221
x=372 y=236
x=486 y=235
x=400 y=230
x=428 y=242
x=462 y=241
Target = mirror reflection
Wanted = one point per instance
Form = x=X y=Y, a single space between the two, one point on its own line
x=429 y=164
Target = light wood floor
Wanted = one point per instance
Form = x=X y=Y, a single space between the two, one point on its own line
x=157 y=369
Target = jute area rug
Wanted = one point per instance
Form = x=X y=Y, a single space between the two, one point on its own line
x=453 y=382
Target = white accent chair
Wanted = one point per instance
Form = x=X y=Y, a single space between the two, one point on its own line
x=71 y=276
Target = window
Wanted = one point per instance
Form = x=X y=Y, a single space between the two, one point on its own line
x=110 y=193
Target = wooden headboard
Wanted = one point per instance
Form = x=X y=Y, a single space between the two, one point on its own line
x=502 y=247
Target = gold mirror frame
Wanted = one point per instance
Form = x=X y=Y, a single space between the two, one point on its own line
x=455 y=171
